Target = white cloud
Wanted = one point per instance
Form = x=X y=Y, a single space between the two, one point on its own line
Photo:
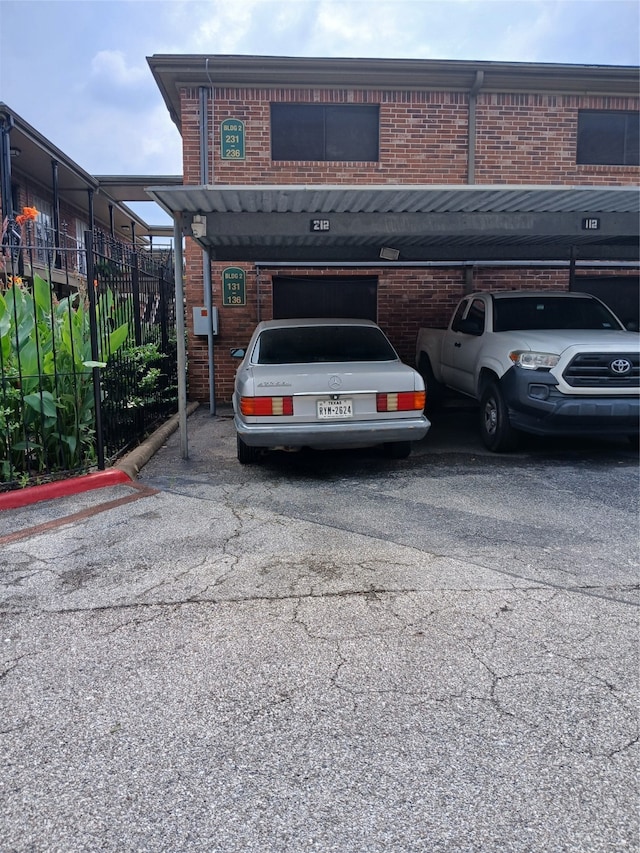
x=114 y=145
x=111 y=66
x=212 y=27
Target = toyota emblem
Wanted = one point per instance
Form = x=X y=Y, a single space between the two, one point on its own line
x=620 y=366
x=335 y=382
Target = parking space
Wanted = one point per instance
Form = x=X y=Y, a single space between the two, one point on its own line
x=328 y=652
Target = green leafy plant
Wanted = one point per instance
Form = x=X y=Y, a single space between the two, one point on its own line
x=46 y=397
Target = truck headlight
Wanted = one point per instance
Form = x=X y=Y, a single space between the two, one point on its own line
x=534 y=360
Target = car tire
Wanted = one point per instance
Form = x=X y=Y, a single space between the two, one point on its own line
x=247 y=455
x=397 y=449
x=435 y=389
x=495 y=428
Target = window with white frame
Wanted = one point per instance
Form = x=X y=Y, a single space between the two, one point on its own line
x=81 y=255
x=43 y=231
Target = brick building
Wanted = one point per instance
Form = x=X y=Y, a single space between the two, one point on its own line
x=388 y=188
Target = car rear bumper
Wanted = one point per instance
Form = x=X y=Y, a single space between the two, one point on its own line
x=337 y=434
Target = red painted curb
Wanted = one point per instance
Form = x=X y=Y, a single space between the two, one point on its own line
x=62 y=488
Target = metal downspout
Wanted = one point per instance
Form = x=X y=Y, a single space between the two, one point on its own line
x=92 y=221
x=206 y=255
x=471 y=138
x=181 y=346
x=6 y=123
x=56 y=211
x=471 y=158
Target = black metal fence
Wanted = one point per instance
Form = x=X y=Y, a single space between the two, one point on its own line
x=87 y=353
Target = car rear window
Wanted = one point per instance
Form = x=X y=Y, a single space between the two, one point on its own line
x=311 y=344
x=549 y=312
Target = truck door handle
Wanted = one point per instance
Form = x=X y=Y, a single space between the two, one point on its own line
x=457 y=344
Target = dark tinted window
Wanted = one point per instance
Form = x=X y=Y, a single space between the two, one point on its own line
x=457 y=318
x=608 y=138
x=549 y=312
x=324 y=132
x=305 y=345
x=476 y=314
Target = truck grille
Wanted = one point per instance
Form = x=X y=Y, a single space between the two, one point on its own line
x=603 y=370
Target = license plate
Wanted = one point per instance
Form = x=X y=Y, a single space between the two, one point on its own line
x=329 y=409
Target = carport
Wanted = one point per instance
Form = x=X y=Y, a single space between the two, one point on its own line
x=466 y=225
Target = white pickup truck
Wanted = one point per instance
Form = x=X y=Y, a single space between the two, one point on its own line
x=547 y=362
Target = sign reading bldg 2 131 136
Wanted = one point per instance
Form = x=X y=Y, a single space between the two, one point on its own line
x=232 y=139
x=234 y=286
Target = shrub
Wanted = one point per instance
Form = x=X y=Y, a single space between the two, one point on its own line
x=47 y=405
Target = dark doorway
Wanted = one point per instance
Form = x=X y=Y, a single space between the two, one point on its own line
x=314 y=296
x=620 y=292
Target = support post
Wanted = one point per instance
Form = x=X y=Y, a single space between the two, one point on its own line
x=95 y=352
x=180 y=331
x=206 y=254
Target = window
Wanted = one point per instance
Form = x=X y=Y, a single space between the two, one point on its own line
x=457 y=319
x=324 y=132
x=43 y=231
x=312 y=344
x=81 y=255
x=608 y=138
x=476 y=315
x=551 y=312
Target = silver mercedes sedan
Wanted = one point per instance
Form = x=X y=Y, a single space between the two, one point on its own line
x=325 y=383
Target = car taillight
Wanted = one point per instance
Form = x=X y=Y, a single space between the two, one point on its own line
x=403 y=401
x=266 y=406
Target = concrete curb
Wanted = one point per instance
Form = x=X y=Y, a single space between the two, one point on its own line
x=132 y=463
x=123 y=472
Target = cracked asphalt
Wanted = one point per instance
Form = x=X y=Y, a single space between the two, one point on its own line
x=327 y=652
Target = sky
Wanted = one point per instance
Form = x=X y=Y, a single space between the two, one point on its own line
x=76 y=70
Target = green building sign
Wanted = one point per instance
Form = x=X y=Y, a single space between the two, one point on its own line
x=234 y=286
x=232 y=139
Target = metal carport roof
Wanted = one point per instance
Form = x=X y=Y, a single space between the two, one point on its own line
x=465 y=222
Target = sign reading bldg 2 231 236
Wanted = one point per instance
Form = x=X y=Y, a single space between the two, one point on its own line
x=232 y=139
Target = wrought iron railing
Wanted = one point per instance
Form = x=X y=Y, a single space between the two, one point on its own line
x=87 y=363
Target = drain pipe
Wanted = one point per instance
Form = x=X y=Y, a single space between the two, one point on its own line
x=206 y=255
x=6 y=123
x=471 y=138
x=471 y=160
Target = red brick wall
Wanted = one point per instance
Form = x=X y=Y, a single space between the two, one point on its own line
x=531 y=139
x=521 y=139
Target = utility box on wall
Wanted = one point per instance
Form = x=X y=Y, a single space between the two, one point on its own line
x=201 y=321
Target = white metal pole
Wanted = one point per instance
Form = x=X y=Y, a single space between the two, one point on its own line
x=180 y=331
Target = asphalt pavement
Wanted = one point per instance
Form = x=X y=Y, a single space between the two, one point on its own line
x=327 y=652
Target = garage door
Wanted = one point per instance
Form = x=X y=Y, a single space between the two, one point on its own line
x=316 y=296
x=619 y=292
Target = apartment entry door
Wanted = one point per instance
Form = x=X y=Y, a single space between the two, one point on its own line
x=323 y=296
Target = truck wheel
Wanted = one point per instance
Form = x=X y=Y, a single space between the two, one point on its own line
x=495 y=429
x=435 y=389
x=246 y=455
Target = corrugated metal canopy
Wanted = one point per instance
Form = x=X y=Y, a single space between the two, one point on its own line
x=390 y=198
x=422 y=222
